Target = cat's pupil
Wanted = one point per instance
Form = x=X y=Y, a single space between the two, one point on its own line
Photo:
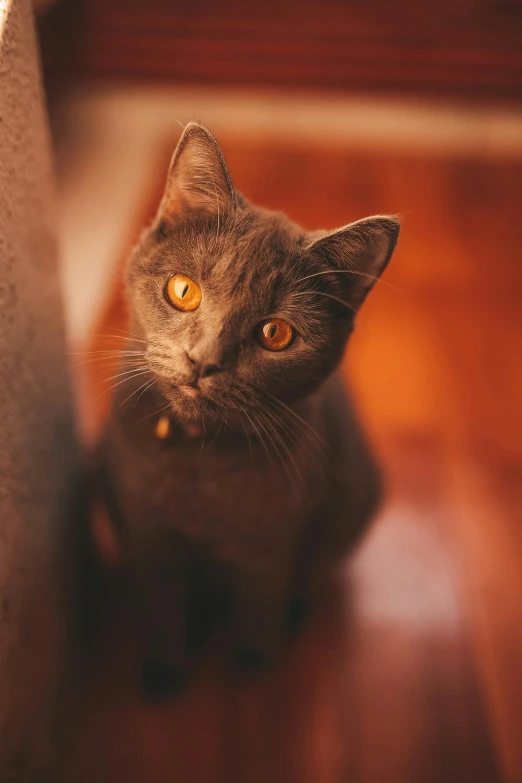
x=186 y=288
x=273 y=331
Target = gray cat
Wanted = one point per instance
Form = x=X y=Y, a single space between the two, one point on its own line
x=236 y=472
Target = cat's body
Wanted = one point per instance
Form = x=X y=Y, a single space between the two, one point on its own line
x=217 y=506
x=264 y=480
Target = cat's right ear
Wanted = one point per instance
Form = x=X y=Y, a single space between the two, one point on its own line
x=198 y=180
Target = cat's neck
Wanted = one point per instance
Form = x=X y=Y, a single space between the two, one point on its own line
x=152 y=411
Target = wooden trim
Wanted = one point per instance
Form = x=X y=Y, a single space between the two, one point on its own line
x=331 y=45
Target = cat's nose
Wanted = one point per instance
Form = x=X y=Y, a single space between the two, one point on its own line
x=205 y=367
x=207 y=370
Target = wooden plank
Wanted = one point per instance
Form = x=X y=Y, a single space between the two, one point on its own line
x=446 y=47
x=410 y=669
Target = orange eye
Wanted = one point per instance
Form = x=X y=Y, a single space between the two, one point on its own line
x=274 y=334
x=183 y=293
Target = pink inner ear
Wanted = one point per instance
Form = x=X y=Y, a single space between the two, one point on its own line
x=198 y=180
x=360 y=251
x=171 y=205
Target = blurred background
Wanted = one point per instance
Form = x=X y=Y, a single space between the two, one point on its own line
x=411 y=669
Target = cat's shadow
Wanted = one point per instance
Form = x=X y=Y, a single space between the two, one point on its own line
x=307 y=687
x=115 y=631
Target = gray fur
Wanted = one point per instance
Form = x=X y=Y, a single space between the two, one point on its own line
x=269 y=502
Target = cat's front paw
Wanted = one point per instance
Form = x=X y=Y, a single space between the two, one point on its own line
x=249 y=661
x=297 y=615
x=161 y=681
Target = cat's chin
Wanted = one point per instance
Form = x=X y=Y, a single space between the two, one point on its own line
x=189 y=405
x=189 y=392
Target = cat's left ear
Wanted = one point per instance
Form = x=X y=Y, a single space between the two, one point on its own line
x=359 y=253
x=198 y=178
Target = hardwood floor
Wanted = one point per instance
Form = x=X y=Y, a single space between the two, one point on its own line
x=411 y=669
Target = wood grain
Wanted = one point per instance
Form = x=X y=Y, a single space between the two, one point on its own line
x=411 y=669
x=447 y=47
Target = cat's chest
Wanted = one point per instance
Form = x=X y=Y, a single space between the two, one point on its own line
x=218 y=491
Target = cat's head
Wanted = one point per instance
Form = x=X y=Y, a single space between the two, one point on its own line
x=238 y=306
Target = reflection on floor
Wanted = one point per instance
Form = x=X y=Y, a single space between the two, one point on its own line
x=411 y=668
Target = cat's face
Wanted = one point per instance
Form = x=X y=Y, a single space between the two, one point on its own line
x=238 y=306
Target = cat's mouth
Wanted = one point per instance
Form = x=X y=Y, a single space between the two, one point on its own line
x=187 y=387
x=193 y=398
x=190 y=400
x=191 y=390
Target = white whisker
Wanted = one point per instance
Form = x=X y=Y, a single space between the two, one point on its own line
x=122 y=331
x=284 y=446
x=121 y=337
x=125 y=372
x=323 y=293
x=349 y=272
x=147 y=383
x=113 y=351
x=131 y=378
x=154 y=413
x=260 y=439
